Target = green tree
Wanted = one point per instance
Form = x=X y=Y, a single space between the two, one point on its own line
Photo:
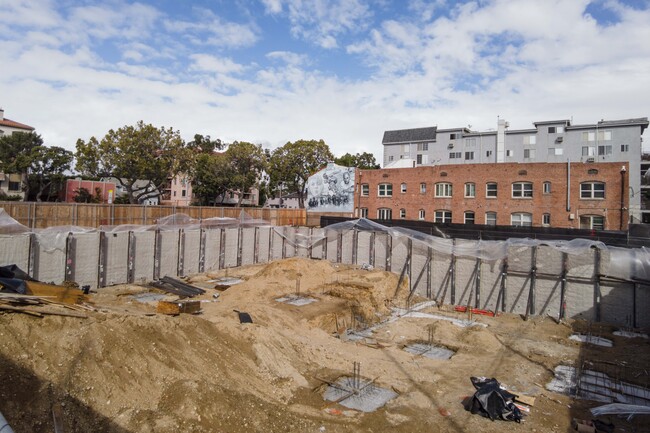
x=248 y=162
x=292 y=164
x=47 y=171
x=212 y=177
x=135 y=152
x=18 y=151
x=365 y=161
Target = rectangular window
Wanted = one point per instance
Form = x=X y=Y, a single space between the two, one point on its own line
x=546 y=187
x=521 y=219
x=402 y=213
x=385 y=190
x=423 y=187
x=591 y=190
x=384 y=214
x=592 y=222
x=418 y=159
x=423 y=147
x=443 y=216
x=588 y=151
x=405 y=148
x=491 y=189
x=365 y=189
x=491 y=218
x=589 y=136
x=604 y=135
x=522 y=190
x=551 y=129
x=509 y=153
x=625 y=147
x=455 y=136
x=604 y=150
x=453 y=155
x=488 y=153
x=443 y=190
x=470 y=142
x=421 y=214
x=469 y=217
x=469 y=156
x=403 y=188
x=546 y=219
x=555 y=151
x=470 y=190
x=391 y=158
x=364 y=212
x=14 y=186
x=530 y=139
x=183 y=193
x=555 y=129
x=529 y=153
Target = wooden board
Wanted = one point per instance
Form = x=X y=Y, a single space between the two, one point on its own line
x=63 y=294
x=177 y=307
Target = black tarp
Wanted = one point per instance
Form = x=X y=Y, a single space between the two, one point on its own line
x=491 y=401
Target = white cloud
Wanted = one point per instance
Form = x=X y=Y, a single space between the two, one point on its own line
x=272 y=6
x=288 y=57
x=208 y=63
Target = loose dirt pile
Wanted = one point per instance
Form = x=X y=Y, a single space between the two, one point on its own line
x=128 y=369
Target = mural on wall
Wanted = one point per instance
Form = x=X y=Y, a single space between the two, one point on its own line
x=331 y=189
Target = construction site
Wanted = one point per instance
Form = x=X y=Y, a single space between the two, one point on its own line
x=236 y=325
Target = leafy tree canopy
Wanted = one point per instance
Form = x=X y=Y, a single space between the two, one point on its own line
x=365 y=161
x=135 y=152
x=48 y=169
x=248 y=162
x=212 y=177
x=293 y=163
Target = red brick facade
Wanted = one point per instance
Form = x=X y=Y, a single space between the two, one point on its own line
x=515 y=183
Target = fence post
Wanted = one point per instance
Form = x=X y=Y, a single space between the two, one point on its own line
x=130 y=266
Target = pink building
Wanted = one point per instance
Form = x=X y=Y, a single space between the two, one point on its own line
x=177 y=192
x=72 y=186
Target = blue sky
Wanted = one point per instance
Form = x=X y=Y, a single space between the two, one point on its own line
x=272 y=71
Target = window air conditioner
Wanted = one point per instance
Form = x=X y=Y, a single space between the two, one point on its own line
x=450 y=146
x=591 y=160
x=559 y=139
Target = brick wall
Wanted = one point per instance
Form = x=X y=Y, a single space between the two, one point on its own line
x=504 y=175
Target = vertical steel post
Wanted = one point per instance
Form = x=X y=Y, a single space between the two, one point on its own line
x=202 y=241
x=452 y=272
x=256 y=242
x=478 y=283
x=429 y=260
x=371 y=252
x=597 y=293
x=70 y=250
x=240 y=246
x=222 y=249
x=103 y=253
x=563 y=286
x=130 y=264
x=389 y=252
x=33 y=248
x=533 y=279
x=355 y=245
x=180 y=271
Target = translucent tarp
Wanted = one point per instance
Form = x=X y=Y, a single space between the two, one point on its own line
x=9 y=226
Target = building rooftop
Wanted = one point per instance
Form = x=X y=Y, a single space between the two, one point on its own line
x=410 y=135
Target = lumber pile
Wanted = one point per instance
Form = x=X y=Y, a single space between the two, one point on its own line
x=176 y=287
x=42 y=299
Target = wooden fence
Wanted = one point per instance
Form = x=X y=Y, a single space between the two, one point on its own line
x=41 y=215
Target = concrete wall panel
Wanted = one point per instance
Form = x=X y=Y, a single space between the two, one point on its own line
x=441 y=277
x=86 y=259
x=117 y=248
x=363 y=248
x=517 y=291
x=549 y=261
x=191 y=252
x=490 y=285
x=332 y=245
x=302 y=242
x=169 y=253
x=581 y=265
x=399 y=254
x=14 y=250
x=248 y=246
x=381 y=250
x=520 y=259
x=290 y=243
x=212 y=249
x=317 y=246
x=580 y=300
x=616 y=304
x=346 y=250
x=231 y=246
x=643 y=306
x=144 y=256
x=547 y=296
x=419 y=269
x=263 y=244
x=49 y=259
x=277 y=245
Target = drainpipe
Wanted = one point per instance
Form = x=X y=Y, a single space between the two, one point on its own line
x=623 y=171
x=568 y=185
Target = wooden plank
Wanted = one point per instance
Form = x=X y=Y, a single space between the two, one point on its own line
x=177 y=307
x=62 y=294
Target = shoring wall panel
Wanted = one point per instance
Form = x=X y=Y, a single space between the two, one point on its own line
x=86 y=259
x=381 y=250
x=276 y=245
x=302 y=234
x=248 y=246
x=14 y=250
x=616 y=303
x=517 y=291
x=491 y=285
x=419 y=267
x=346 y=250
x=332 y=245
x=144 y=256
x=399 y=255
x=363 y=248
x=212 y=249
x=466 y=269
x=441 y=277
x=263 y=244
x=643 y=306
x=520 y=259
x=49 y=259
x=548 y=293
x=169 y=253
x=290 y=243
x=191 y=252
x=317 y=247
x=549 y=261
x=117 y=249
x=580 y=300
x=230 y=248
x=581 y=265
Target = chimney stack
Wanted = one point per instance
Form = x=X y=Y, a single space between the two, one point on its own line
x=2 y=113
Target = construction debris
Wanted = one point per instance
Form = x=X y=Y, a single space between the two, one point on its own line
x=174 y=308
x=492 y=401
x=176 y=287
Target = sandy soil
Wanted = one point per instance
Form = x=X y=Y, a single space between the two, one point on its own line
x=128 y=369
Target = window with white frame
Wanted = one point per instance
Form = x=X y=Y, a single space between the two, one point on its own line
x=469 y=217
x=488 y=153
x=403 y=188
x=592 y=222
x=589 y=136
x=546 y=187
x=365 y=189
x=384 y=214
x=391 y=158
x=443 y=216
x=555 y=151
x=423 y=147
x=421 y=214
x=364 y=212
x=443 y=189
x=455 y=136
x=491 y=189
x=491 y=218
x=509 y=153
x=530 y=139
x=402 y=213
x=592 y=190
x=625 y=147
x=604 y=150
x=522 y=190
x=470 y=142
x=604 y=135
x=555 y=129
x=406 y=148
x=521 y=219
x=546 y=219
x=455 y=155
x=588 y=150
x=385 y=190
x=469 y=156
x=529 y=153
x=421 y=159
x=470 y=190
x=423 y=188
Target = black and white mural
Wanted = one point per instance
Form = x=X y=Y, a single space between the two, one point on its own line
x=331 y=189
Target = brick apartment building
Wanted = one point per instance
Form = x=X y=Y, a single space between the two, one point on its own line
x=575 y=195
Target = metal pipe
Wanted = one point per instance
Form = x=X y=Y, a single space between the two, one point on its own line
x=568 y=185
x=623 y=189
